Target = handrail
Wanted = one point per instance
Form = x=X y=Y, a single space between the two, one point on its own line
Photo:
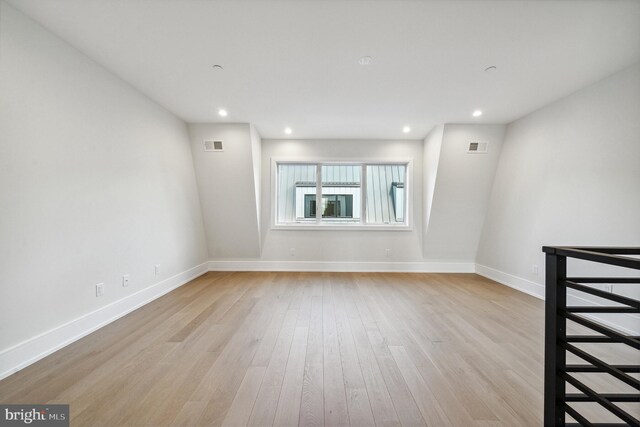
x=557 y=342
x=612 y=257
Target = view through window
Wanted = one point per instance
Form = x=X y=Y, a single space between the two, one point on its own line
x=341 y=193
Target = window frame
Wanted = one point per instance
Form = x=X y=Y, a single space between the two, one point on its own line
x=407 y=225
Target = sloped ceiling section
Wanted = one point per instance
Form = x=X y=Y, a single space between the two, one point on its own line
x=227 y=187
x=459 y=185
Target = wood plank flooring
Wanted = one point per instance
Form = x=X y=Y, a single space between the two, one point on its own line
x=309 y=349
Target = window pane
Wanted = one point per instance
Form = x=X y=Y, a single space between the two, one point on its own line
x=296 y=193
x=386 y=201
x=341 y=193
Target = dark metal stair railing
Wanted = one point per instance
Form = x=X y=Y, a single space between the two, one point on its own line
x=557 y=343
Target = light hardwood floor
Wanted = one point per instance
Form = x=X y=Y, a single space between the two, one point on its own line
x=306 y=349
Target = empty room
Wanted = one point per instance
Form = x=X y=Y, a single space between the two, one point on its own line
x=319 y=213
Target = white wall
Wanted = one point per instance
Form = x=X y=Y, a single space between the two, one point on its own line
x=343 y=245
x=461 y=190
x=96 y=181
x=256 y=158
x=568 y=175
x=459 y=199
x=432 y=148
x=227 y=189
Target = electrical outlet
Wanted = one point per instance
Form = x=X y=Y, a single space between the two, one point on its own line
x=534 y=270
x=125 y=280
x=99 y=289
x=292 y=251
x=387 y=253
x=157 y=269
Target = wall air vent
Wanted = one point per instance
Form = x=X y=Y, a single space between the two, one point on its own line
x=476 y=147
x=211 y=145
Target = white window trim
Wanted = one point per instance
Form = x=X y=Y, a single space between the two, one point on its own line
x=363 y=226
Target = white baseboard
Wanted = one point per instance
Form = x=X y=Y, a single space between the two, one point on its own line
x=626 y=323
x=342 y=266
x=30 y=351
x=515 y=282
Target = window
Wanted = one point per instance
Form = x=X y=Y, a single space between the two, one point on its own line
x=353 y=194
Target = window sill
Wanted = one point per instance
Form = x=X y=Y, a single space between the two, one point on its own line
x=334 y=227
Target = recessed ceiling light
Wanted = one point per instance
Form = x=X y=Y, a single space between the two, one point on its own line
x=222 y=112
x=288 y=131
x=365 y=60
x=406 y=129
x=218 y=67
x=477 y=113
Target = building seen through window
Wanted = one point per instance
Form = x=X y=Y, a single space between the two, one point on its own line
x=341 y=193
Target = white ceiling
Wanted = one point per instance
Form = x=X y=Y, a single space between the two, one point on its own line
x=295 y=62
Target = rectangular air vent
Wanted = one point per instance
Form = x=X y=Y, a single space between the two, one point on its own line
x=211 y=145
x=476 y=147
